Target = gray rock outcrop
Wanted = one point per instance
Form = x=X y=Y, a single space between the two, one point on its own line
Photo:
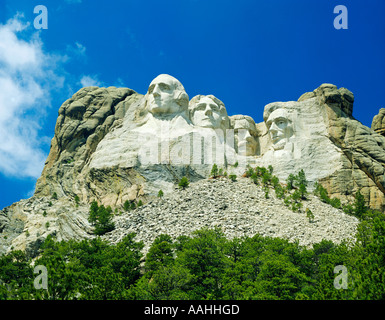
x=320 y=135
x=378 y=123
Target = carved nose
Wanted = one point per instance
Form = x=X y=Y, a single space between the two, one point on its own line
x=248 y=137
x=273 y=127
x=156 y=92
x=208 y=112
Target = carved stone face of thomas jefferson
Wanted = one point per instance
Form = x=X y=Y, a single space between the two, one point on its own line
x=247 y=138
x=208 y=112
x=166 y=96
x=280 y=127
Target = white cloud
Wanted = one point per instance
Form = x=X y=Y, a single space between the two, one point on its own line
x=77 y=50
x=27 y=76
x=80 y=48
x=89 y=81
x=120 y=83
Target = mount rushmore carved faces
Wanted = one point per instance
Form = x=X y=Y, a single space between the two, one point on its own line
x=166 y=99
x=208 y=112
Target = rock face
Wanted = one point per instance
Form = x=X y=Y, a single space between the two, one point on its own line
x=362 y=162
x=113 y=145
x=378 y=123
x=83 y=122
x=25 y=225
x=318 y=134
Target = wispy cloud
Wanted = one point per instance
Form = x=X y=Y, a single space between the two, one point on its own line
x=119 y=83
x=27 y=76
x=76 y=50
x=88 y=81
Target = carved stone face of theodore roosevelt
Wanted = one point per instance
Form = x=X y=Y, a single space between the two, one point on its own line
x=245 y=133
x=166 y=96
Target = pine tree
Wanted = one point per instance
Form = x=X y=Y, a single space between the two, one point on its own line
x=301 y=178
x=126 y=205
x=359 y=205
x=290 y=181
x=214 y=171
x=77 y=200
x=183 y=183
x=101 y=218
x=302 y=191
x=93 y=212
x=309 y=214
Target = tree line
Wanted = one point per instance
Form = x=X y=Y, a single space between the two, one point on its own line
x=204 y=265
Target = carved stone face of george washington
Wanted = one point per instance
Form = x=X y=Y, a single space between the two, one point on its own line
x=166 y=96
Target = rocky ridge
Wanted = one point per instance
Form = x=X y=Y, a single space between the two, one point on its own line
x=362 y=150
x=378 y=123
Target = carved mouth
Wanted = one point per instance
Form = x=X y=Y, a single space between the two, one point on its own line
x=276 y=138
x=247 y=144
x=207 y=120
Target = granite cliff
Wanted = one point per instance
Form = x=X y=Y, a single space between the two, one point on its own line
x=378 y=123
x=114 y=144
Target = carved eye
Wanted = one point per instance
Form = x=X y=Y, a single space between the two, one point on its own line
x=280 y=122
x=164 y=87
x=151 y=88
x=214 y=107
x=201 y=107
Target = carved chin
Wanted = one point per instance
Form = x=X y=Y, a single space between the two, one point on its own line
x=248 y=147
x=280 y=144
x=205 y=123
x=157 y=108
x=250 y=151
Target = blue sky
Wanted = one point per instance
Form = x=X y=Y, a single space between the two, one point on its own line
x=246 y=53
